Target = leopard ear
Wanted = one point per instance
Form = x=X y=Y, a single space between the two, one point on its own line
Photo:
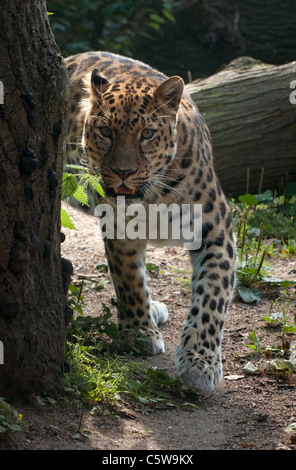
x=99 y=83
x=170 y=93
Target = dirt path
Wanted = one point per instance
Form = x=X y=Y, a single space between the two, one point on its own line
x=244 y=412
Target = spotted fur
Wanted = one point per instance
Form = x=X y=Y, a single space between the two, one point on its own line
x=148 y=141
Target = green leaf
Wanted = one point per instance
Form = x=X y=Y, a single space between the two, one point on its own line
x=77 y=167
x=266 y=197
x=101 y=284
x=251 y=346
x=248 y=200
x=284 y=365
x=111 y=330
x=254 y=339
x=187 y=403
x=69 y=185
x=155 y=26
x=102 y=267
x=83 y=322
x=144 y=400
x=152 y=267
x=250 y=369
x=255 y=342
x=133 y=384
x=169 y=15
x=81 y=195
x=156 y=18
x=275 y=317
x=290 y=190
x=290 y=328
x=249 y=294
x=40 y=400
x=85 y=432
x=291 y=428
x=66 y=220
x=160 y=377
x=100 y=190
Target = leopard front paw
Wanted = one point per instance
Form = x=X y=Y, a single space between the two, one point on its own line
x=199 y=370
x=159 y=312
x=142 y=341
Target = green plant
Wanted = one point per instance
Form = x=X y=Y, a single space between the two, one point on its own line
x=276 y=213
x=254 y=343
x=96 y=331
x=153 y=268
x=279 y=316
x=10 y=419
x=251 y=256
x=75 y=297
x=98 y=369
x=288 y=248
x=86 y=25
x=254 y=215
x=99 y=376
x=250 y=263
x=80 y=185
x=258 y=348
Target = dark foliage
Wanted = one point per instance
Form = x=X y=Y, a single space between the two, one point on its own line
x=178 y=36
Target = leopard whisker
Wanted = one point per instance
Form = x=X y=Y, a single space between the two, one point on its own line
x=158 y=184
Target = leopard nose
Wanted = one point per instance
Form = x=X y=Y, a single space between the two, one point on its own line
x=123 y=174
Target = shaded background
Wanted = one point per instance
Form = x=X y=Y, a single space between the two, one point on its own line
x=177 y=36
x=195 y=39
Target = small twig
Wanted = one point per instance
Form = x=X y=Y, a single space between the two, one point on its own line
x=80 y=421
x=248 y=180
x=261 y=181
x=80 y=291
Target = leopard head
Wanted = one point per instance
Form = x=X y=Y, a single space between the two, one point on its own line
x=130 y=133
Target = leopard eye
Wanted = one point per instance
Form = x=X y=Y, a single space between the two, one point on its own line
x=148 y=133
x=105 y=131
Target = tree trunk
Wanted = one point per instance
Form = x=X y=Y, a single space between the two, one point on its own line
x=33 y=284
x=252 y=120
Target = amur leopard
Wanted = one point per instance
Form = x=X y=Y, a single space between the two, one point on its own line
x=150 y=144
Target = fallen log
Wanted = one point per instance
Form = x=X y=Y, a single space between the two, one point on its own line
x=250 y=109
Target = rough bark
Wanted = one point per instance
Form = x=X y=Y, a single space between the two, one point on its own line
x=33 y=284
x=252 y=122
